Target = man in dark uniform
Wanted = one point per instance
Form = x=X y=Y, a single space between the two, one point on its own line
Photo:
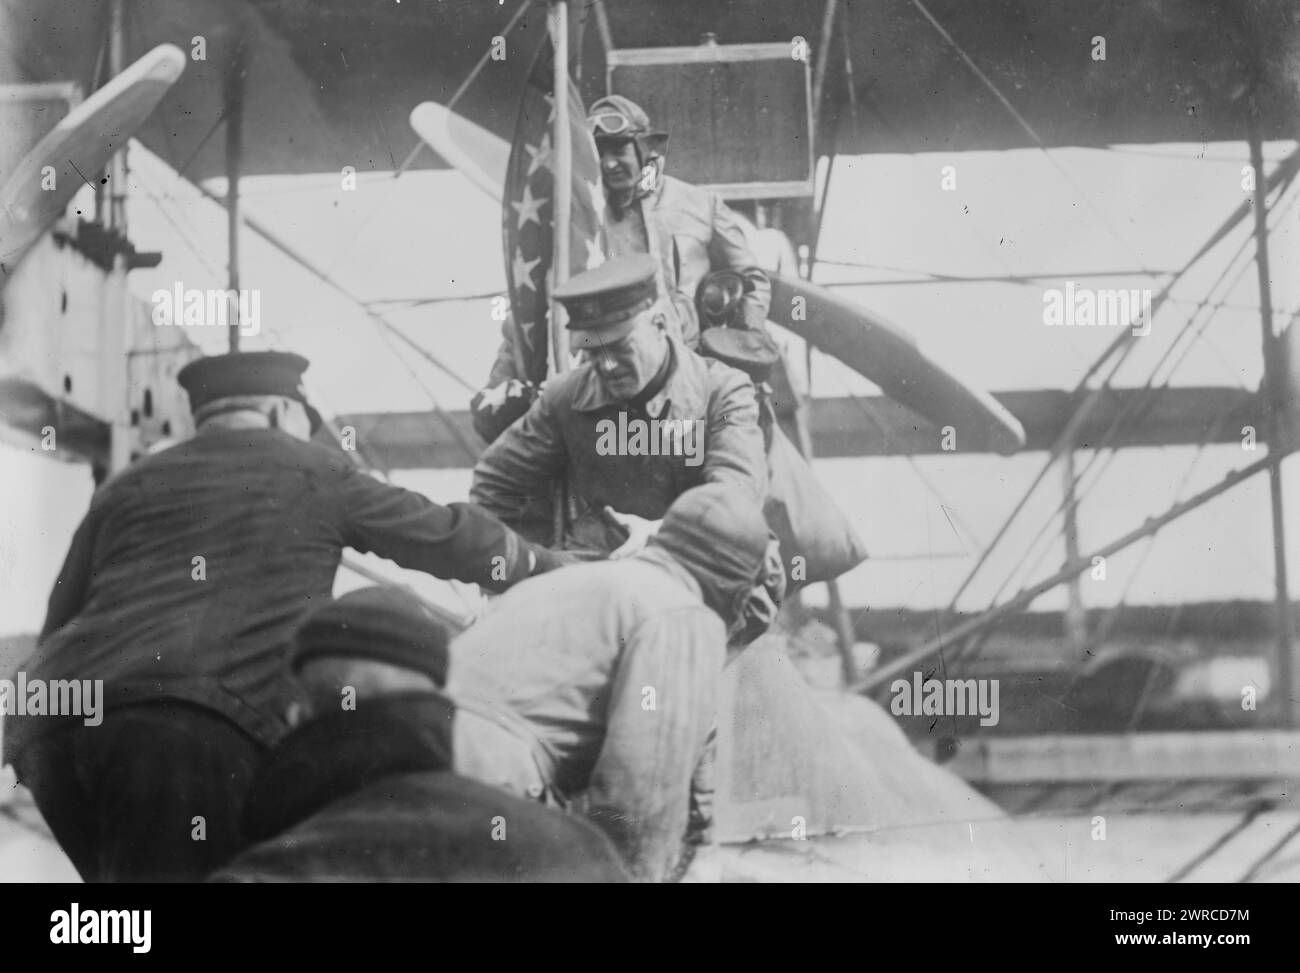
x=363 y=790
x=687 y=230
x=179 y=592
x=640 y=422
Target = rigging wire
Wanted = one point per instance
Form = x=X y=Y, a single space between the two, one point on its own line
x=814 y=259
x=459 y=93
x=371 y=460
x=410 y=303
x=1102 y=449
x=1122 y=343
x=1149 y=402
x=1237 y=828
x=1258 y=865
x=1112 y=614
x=930 y=277
x=880 y=676
x=1285 y=172
x=271 y=238
x=1082 y=413
x=916 y=469
x=984 y=79
x=1110 y=454
x=974 y=644
x=1176 y=156
x=457 y=433
x=367 y=458
x=978 y=638
x=184 y=237
x=968 y=226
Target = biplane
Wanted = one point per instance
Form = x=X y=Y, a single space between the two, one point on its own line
x=854 y=134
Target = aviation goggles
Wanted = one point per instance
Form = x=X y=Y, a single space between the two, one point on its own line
x=612 y=123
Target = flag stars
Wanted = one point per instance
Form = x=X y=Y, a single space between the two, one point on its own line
x=524 y=271
x=539 y=155
x=596 y=195
x=493 y=398
x=529 y=208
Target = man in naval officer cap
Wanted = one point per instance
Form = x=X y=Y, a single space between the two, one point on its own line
x=639 y=422
x=687 y=230
x=180 y=589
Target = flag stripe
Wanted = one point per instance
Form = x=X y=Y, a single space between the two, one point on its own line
x=528 y=207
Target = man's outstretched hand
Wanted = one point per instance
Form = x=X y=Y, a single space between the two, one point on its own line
x=639 y=531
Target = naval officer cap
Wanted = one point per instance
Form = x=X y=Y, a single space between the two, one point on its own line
x=247 y=373
x=607 y=299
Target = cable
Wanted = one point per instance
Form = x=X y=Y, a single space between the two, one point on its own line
x=363 y=456
x=457 y=433
x=1149 y=402
x=1216 y=844
x=1133 y=150
x=1258 y=865
x=372 y=462
x=1102 y=447
x=995 y=613
x=419 y=145
x=1029 y=130
x=1285 y=172
x=410 y=303
x=976 y=642
x=1036 y=544
x=189 y=244
x=967 y=226
x=916 y=468
x=928 y=277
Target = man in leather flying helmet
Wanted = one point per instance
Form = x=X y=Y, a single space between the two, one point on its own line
x=689 y=231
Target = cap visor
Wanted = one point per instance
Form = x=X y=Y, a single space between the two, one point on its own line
x=593 y=339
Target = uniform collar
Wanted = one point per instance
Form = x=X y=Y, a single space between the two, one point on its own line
x=684 y=394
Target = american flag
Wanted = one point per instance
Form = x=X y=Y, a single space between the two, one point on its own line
x=528 y=207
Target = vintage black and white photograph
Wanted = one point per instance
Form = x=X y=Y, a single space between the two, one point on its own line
x=701 y=441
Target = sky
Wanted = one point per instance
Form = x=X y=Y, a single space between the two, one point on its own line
x=1133 y=212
